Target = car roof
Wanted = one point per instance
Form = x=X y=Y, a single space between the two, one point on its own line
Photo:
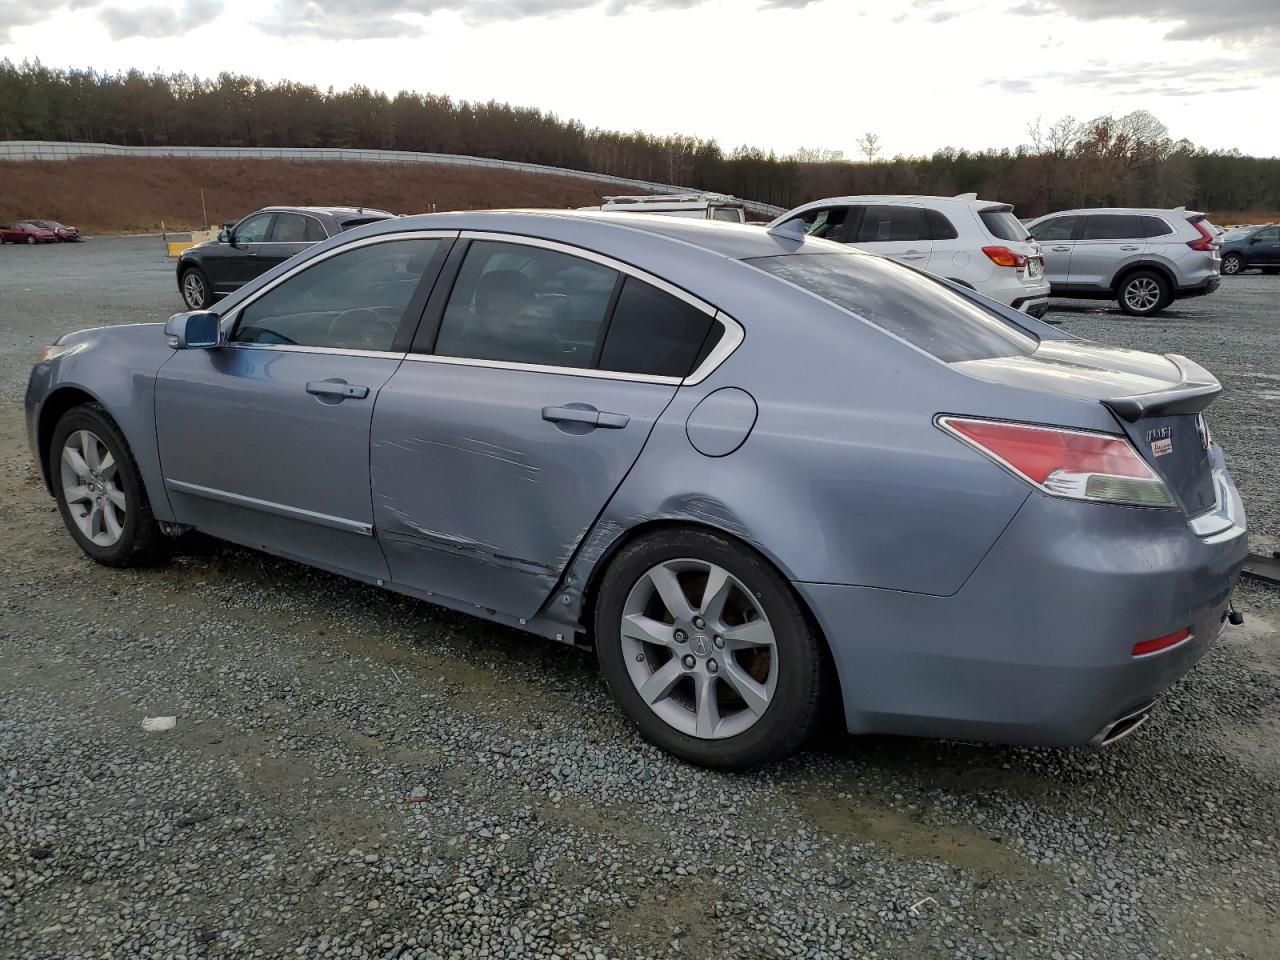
x=331 y=211
x=736 y=241
x=1142 y=211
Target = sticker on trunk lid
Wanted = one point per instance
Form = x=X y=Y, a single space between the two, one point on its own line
x=1161 y=440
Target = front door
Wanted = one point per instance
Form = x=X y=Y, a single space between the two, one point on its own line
x=494 y=451
x=1264 y=247
x=265 y=441
x=242 y=260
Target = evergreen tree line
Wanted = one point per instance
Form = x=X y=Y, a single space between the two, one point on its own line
x=1107 y=161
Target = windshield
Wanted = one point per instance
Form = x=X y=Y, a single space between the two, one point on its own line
x=1239 y=233
x=905 y=303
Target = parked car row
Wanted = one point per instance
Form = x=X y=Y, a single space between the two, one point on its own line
x=37 y=231
x=1143 y=259
x=757 y=471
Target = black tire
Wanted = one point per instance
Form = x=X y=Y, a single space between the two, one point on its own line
x=141 y=541
x=1144 y=293
x=1232 y=264
x=195 y=289
x=796 y=703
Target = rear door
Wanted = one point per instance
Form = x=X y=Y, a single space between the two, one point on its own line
x=290 y=235
x=1108 y=243
x=1057 y=242
x=533 y=387
x=898 y=231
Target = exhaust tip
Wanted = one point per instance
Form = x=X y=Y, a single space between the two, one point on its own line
x=1117 y=730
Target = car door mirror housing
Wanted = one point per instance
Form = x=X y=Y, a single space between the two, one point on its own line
x=194 y=330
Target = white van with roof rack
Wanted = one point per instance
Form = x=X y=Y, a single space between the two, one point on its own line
x=976 y=243
x=699 y=206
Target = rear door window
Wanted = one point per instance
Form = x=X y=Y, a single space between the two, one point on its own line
x=1112 y=226
x=900 y=301
x=296 y=228
x=654 y=333
x=1057 y=228
x=1003 y=225
x=731 y=214
x=526 y=304
x=892 y=224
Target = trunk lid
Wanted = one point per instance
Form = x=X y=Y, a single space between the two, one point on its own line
x=1156 y=400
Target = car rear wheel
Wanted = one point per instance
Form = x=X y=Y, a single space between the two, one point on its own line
x=99 y=490
x=1232 y=263
x=1144 y=293
x=195 y=289
x=707 y=651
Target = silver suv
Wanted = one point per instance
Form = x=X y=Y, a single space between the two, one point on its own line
x=1144 y=259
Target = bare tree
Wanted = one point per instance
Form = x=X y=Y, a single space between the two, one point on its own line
x=869 y=144
x=817 y=155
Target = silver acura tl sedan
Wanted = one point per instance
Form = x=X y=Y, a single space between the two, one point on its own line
x=756 y=471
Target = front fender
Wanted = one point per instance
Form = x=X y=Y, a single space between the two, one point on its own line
x=115 y=367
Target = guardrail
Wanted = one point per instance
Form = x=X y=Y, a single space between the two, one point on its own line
x=60 y=150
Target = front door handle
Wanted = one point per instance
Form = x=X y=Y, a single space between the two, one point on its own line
x=1060 y=249
x=335 y=391
x=1130 y=249
x=587 y=415
x=913 y=255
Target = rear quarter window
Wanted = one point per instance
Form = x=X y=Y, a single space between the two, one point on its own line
x=1003 y=225
x=909 y=305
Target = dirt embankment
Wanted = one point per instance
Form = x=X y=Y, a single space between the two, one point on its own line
x=133 y=194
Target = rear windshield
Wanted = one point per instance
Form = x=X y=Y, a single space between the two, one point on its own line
x=1003 y=225
x=907 y=304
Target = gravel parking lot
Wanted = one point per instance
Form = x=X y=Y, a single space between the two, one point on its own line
x=355 y=774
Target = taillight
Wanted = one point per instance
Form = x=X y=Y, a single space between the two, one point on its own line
x=1004 y=257
x=1205 y=243
x=1078 y=464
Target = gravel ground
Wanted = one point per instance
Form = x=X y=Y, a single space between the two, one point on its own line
x=355 y=774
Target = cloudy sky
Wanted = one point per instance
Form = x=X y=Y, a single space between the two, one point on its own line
x=781 y=74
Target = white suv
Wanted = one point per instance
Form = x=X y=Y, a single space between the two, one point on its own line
x=976 y=243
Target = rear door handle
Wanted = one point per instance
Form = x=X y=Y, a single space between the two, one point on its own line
x=913 y=255
x=587 y=415
x=1129 y=249
x=336 y=390
x=1060 y=249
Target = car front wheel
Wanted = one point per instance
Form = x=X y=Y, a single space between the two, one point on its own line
x=1144 y=293
x=706 y=649
x=195 y=289
x=1232 y=263
x=99 y=490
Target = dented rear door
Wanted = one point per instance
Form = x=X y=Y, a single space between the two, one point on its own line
x=485 y=478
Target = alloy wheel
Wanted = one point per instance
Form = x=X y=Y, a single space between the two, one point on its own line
x=193 y=290
x=707 y=667
x=91 y=488
x=1231 y=265
x=1142 y=294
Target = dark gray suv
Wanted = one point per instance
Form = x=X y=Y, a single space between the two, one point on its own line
x=1142 y=258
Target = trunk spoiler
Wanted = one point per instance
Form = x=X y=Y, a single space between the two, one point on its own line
x=1198 y=388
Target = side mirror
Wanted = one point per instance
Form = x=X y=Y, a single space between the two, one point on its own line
x=224 y=235
x=195 y=330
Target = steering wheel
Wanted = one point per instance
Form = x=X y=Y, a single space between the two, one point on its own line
x=362 y=328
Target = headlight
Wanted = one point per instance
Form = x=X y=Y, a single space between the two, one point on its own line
x=54 y=351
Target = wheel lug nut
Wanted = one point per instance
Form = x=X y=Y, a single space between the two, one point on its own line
x=718 y=641
x=681 y=636
x=712 y=666
x=699 y=623
x=688 y=661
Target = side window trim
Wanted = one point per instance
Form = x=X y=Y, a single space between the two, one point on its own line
x=231 y=319
x=423 y=347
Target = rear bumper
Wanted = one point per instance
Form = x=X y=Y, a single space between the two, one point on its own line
x=1208 y=285
x=1037 y=646
x=1032 y=306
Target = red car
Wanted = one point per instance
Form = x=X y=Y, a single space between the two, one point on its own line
x=26 y=232
x=61 y=229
